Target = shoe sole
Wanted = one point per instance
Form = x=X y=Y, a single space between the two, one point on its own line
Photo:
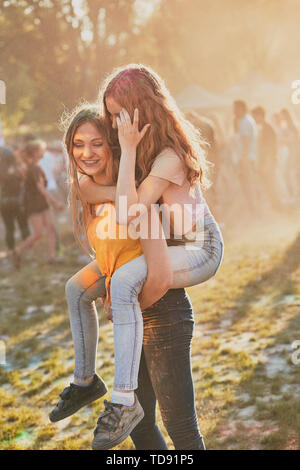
x=76 y=408
x=121 y=438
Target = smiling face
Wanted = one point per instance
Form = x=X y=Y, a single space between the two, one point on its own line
x=90 y=150
x=114 y=110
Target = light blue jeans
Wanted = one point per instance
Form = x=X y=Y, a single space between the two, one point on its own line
x=190 y=267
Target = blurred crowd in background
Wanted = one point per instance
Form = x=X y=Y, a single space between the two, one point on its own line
x=255 y=172
x=33 y=189
x=255 y=151
x=256 y=157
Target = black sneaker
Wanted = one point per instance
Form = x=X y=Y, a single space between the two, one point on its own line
x=116 y=423
x=75 y=397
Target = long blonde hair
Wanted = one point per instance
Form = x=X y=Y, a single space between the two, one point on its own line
x=82 y=211
x=137 y=86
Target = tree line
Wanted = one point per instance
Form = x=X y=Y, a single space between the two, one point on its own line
x=52 y=52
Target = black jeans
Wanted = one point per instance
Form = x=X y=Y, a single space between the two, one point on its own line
x=11 y=212
x=165 y=375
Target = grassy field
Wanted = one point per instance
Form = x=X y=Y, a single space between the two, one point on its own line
x=247 y=319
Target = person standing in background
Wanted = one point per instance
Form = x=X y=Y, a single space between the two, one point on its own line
x=292 y=141
x=37 y=200
x=267 y=156
x=61 y=168
x=11 y=209
x=48 y=165
x=282 y=157
x=246 y=131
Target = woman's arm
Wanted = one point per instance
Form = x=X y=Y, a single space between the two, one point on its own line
x=127 y=195
x=160 y=273
x=148 y=193
x=50 y=199
x=95 y=193
x=159 y=268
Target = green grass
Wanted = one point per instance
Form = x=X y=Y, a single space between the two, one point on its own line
x=246 y=386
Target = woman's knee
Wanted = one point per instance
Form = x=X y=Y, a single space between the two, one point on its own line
x=73 y=290
x=70 y=288
x=87 y=290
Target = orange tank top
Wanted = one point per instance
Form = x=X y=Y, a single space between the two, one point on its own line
x=111 y=242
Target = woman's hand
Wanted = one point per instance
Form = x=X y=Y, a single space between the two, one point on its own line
x=58 y=205
x=128 y=132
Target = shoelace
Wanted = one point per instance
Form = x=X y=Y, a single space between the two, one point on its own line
x=110 y=418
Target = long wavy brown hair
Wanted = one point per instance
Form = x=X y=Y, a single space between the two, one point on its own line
x=138 y=86
x=82 y=211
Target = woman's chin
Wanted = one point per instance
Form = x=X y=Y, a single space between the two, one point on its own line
x=90 y=172
x=93 y=171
